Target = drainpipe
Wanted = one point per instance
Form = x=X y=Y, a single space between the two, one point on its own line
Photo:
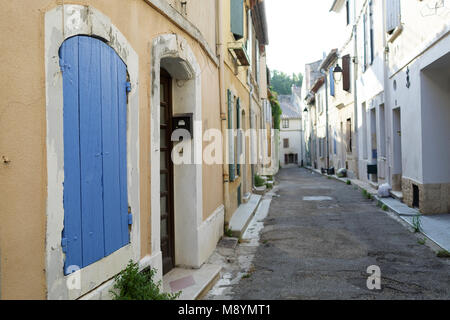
x=223 y=110
x=322 y=71
x=252 y=124
x=355 y=91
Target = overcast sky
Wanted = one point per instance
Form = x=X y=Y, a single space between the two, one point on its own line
x=299 y=32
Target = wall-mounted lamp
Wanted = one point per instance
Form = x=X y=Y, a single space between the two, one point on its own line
x=183 y=7
x=337 y=73
x=408 y=83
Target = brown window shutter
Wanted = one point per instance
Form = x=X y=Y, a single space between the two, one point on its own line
x=346 y=73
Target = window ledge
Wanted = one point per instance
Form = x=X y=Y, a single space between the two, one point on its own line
x=397 y=31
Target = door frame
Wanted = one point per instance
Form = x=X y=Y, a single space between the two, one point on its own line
x=167 y=78
x=96 y=25
x=174 y=54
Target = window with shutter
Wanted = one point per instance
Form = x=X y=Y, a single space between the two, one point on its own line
x=364 y=66
x=393 y=12
x=257 y=70
x=347 y=10
x=249 y=37
x=346 y=73
x=371 y=34
x=237 y=18
x=95 y=151
x=349 y=135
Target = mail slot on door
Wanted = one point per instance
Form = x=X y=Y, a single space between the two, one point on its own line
x=183 y=121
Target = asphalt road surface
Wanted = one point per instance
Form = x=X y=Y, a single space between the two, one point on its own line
x=321 y=235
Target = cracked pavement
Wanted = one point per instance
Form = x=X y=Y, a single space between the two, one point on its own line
x=321 y=249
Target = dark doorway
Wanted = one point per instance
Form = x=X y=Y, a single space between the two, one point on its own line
x=166 y=174
x=415 y=196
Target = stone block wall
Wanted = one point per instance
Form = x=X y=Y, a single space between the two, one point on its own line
x=433 y=198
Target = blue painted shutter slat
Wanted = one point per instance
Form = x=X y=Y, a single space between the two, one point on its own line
x=72 y=188
x=122 y=85
x=91 y=150
x=110 y=139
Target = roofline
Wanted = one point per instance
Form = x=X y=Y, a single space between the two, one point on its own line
x=260 y=21
x=334 y=6
x=331 y=57
x=317 y=85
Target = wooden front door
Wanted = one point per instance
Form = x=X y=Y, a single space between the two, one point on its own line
x=166 y=174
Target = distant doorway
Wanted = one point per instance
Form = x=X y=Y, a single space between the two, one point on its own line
x=166 y=174
x=397 y=141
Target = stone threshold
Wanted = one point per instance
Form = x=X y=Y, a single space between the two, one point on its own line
x=193 y=283
x=242 y=216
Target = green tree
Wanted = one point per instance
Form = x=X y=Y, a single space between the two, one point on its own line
x=276 y=109
x=282 y=82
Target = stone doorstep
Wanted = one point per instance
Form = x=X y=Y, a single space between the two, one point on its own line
x=396 y=195
x=246 y=197
x=242 y=216
x=193 y=283
x=259 y=190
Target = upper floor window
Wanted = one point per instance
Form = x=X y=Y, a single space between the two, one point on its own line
x=285 y=123
x=237 y=18
x=319 y=103
x=393 y=12
x=368 y=36
x=285 y=143
x=346 y=73
x=347 y=11
x=349 y=135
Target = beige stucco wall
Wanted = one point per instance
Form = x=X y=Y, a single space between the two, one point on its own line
x=23 y=130
x=236 y=79
x=240 y=90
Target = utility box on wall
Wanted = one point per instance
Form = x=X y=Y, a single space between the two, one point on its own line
x=183 y=121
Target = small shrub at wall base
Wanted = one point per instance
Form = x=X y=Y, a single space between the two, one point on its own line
x=131 y=284
x=259 y=182
x=417 y=224
x=443 y=254
x=228 y=233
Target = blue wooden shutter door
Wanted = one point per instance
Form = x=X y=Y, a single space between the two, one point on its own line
x=72 y=190
x=95 y=185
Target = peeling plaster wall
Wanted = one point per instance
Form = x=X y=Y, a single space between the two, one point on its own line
x=23 y=181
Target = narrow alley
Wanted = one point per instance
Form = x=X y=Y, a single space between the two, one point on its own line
x=321 y=235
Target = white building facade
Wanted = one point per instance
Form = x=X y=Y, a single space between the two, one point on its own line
x=389 y=103
x=291 y=136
